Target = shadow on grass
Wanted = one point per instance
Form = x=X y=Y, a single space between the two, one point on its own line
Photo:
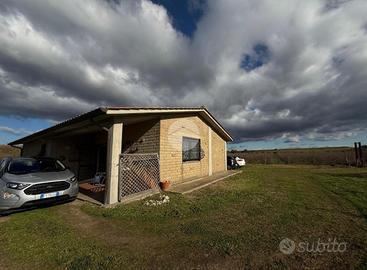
x=40 y=206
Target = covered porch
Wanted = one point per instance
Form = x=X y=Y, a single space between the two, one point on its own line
x=92 y=149
x=123 y=154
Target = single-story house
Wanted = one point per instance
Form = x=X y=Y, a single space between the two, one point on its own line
x=134 y=147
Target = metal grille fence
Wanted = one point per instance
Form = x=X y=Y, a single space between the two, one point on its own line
x=138 y=173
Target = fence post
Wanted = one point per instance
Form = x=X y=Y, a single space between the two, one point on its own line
x=361 y=161
x=356 y=154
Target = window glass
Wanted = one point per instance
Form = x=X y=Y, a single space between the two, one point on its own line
x=23 y=166
x=190 y=149
x=31 y=165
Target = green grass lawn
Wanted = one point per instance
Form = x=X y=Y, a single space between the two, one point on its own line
x=236 y=223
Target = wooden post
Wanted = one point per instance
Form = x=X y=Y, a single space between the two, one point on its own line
x=225 y=155
x=210 y=153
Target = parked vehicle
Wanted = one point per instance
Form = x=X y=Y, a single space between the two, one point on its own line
x=232 y=163
x=240 y=161
x=29 y=182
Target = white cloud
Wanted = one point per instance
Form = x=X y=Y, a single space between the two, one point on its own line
x=14 y=131
x=290 y=138
x=61 y=58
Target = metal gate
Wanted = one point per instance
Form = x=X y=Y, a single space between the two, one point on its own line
x=139 y=174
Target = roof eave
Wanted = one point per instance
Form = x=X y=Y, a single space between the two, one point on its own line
x=125 y=111
x=82 y=117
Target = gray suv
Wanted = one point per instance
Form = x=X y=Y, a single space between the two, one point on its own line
x=29 y=182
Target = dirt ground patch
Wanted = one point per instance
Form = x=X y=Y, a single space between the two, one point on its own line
x=105 y=230
x=4 y=219
x=4 y=263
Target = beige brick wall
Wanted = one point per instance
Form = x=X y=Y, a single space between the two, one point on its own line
x=171 y=133
x=218 y=149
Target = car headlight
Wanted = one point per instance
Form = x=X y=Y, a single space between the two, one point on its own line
x=72 y=179
x=18 y=186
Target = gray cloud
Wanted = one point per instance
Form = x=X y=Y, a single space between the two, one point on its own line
x=58 y=59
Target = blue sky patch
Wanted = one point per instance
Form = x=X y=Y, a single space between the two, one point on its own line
x=13 y=128
x=259 y=56
x=185 y=14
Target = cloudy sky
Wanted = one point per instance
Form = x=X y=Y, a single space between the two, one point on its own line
x=283 y=73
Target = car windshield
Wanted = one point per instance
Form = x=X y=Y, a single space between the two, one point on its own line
x=32 y=165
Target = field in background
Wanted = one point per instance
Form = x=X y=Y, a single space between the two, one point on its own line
x=341 y=156
x=6 y=151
